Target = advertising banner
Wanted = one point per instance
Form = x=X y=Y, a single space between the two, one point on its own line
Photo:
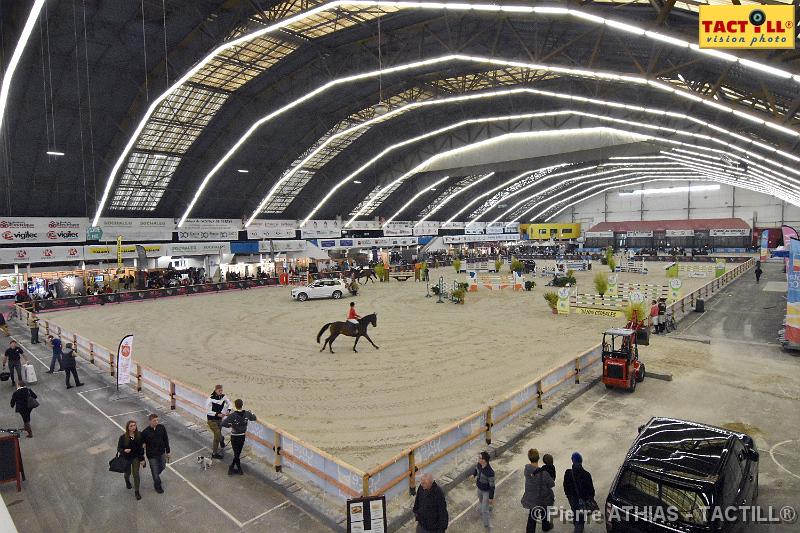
x=211 y=224
x=747 y=26
x=563 y=301
x=475 y=228
x=43 y=254
x=321 y=229
x=634 y=234
x=198 y=248
x=132 y=229
x=365 y=225
x=495 y=227
x=739 y=232
x=282 y=246
x=454 y=225
x=680 y=233
x=24 y=230
x=398 y=228
x=793 y=294
x=461 y=239
x=675 y=285
x=789 y=233
x=208 y=235
x=272 y=229
x=599 y=234
x=427 y=228
x=512 y=227
x=603 y=313
x=612 y=285
x=109 y=253
x=377 y=242
x=765 y=245
x=10 y=284
x=124 y=360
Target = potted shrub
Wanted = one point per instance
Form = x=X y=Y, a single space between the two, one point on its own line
x=517 y=266
x=463 y=285
x=498 y=264
x=457 y=265
x=601 y=283
x=529 y=285
x=380 y=271
x=552 y=301
x=458 y=295
x=435 y=290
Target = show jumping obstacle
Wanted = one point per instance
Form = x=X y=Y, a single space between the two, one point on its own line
x=494 y=282
x=632 y=267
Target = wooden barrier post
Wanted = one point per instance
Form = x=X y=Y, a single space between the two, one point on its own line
x=539 y=394
x=489 y=425
x=412 y=471
x=172 y=395
x=577 y=370
x=111 y=363
x=138 y=377
x=365 y=486
x=46 y=328
x=91 y=352
x=277 y=449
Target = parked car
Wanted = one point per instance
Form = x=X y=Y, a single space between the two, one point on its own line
x=683 y=476
x=322 y=288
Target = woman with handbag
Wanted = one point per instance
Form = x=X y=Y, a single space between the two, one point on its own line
x=24 y=400
x=538 y=495
x=579 y=489
x=130 y=448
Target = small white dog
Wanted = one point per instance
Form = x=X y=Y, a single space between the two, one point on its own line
x=204 y=462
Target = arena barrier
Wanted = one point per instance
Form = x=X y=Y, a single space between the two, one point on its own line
x=494 y=282
x=578 y=266
x=282 y=450
x=149 y=294
x=649 y=290
x=446 y=449
x=633 y=267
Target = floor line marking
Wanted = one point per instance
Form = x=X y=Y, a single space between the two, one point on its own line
x=98 y=388
x=128 y=413
x=772 y=455
x=474 y=503
x=187 y=456
x=266 y=513
x=192 y=485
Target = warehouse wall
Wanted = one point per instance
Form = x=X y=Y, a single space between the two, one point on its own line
x=727 y=202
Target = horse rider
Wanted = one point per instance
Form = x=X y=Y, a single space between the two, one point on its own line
x=352 y=316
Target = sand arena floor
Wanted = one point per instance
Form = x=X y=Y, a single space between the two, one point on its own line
x=436 y=363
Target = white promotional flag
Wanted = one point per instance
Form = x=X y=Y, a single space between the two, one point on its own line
x=124 y=360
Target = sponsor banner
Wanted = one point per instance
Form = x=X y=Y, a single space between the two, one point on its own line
x=765 y=245
x=207 y=235
x=789 y=233
x=680 y=233
x=594 y=311
x=792 y=333
x=748 y=27
x=149 y=294
x=45 y=254
x=398 y=228
x=563 y=301
x=282 y=246
x=365 y=225
x=495 y=227
x=321 y=229
x=211 y=224
x=131 y=229
x=198 y=248
x=675 y=285
x=10 y=284
x=377 y=242
x=640 y=234
x=475 y=228
x=42 y=229
x=461 y=239
x=612 y=285
x=124 y=360
x=454 y=225
x=512 y=227
x=599 y=234
x=109 y=253
x=271 y=229
x=427 y=228
x=729 y=232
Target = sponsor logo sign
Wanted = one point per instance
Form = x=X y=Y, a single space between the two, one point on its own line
x=729 y=232
x=748 y=27
x=208 y=235
x=271 y=229
x=605 y=313
x=42 y=229
x=398 y=229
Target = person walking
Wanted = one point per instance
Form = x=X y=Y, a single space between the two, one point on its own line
x=579 y=489
x=237 y=421
x=130 y=447
x=70 y=366
x=758 y=272
x=484 y=483
x=13 y=356
x=538 y=495
x=217 y=405
x=4 y=325
x=56 y=344
x=654 y=315
x=156 y=447
x=430 y=507
x=22 y=401
x=33 y=324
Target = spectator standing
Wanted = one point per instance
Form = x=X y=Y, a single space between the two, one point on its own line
x=33 y=324
x=69 y=366
x=217 y=405
x=156 y=447
x=654 y=316
x=579 y=489
x=758 y=272
x=130 y=447
x=538 y=495
x=13 y=356
x=21 y=400
x=3 y=325
x=56 y=344
x=430 y=507
x=484 y=483
x=237 y=421
x=548 y=466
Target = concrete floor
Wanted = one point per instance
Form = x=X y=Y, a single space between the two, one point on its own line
x=69 y=487
x=747 y=382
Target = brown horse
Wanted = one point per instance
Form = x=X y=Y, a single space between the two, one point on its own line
x=348 y=329
x=358 y=273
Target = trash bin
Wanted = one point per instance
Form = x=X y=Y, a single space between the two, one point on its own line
x=700 y=306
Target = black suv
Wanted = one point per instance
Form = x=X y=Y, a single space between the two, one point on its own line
x=684 y=476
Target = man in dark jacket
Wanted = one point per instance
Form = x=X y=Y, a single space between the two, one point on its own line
x=578 y=488
x=484 y=482
x=430 y=507
x=69 y=366
x=156 y=447
x=55 y=342
x=237 y=421
x=14 y=357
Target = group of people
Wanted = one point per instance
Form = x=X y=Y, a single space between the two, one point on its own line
x=430 y=505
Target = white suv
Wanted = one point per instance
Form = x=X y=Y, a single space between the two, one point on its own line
x=322 y=288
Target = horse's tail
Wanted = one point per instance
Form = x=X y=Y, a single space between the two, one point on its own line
x=326 y=326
